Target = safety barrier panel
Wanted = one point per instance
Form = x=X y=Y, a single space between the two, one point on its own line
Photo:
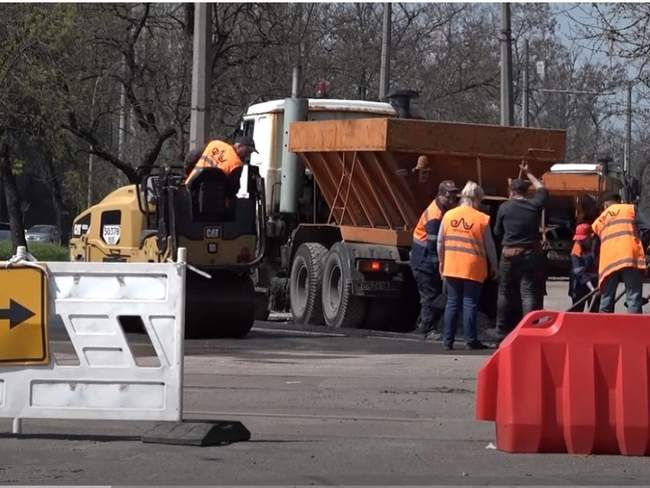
x=89 y=300
x=570 y=382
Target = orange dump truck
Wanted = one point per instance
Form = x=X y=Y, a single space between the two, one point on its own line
x=350 y=265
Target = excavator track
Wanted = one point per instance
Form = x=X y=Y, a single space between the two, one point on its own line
x=221 y=306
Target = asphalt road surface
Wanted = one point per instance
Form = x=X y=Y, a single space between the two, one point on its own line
x=348 y=407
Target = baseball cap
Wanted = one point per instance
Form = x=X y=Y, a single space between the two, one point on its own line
x=583 y=231
x=447 y=186
x=246 y=141
x=519 y=185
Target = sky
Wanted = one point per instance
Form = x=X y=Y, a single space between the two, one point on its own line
x=569 y=17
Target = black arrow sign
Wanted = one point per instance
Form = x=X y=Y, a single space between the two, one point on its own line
x=16 y=314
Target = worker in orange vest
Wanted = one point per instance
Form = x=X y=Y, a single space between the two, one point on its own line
x=467 y=257
x=583 y=275
x=424 y=255
x=621 y=253
x=227 y=158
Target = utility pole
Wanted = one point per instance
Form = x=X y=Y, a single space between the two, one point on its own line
x=627 y=157
x=506 y=66
x=296 y=74
x=525 y=94
x=121 y=135
x=384 y=75
x=201 y=76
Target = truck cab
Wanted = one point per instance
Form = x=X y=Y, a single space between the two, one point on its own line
x=264 y=122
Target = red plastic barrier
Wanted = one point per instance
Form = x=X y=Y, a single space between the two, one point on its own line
x=570 y=382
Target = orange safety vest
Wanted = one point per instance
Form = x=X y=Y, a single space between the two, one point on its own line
x=432 y=212
x=463 y=246
x=620 y=246
x=218 y=154
x=576 y=249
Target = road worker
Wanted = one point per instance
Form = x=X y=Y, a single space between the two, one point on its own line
x=583 y=275
x=621 y=253
x=522 y=274
x=424 y=256
x=228 y=158
x=467 y=256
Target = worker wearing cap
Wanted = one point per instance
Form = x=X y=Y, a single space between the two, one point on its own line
x=228 y=158
x=522 y=275
x=424 y=255
x=621 y=253
x=583 y=276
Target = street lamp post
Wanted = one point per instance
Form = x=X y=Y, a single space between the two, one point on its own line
x=90 y=153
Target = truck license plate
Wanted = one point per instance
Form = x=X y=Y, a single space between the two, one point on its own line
x=377 y=286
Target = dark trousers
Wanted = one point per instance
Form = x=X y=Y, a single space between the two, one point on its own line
x=461 y=295
x=522 y=282
x=430 y=289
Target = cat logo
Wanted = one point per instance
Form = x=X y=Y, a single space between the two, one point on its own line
x=457 y=223
x=212 y=232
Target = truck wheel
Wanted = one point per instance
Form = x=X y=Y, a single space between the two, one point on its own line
x=340 y=307
x=305 y=284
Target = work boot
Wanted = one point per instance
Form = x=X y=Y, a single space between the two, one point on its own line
x=434 y=335
x=495 y=335
x=424 y=328
x=475 y=345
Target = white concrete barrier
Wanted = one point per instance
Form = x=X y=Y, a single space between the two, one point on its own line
x=88 y=298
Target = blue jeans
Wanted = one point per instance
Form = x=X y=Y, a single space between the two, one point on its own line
x=465 y=293
x=633 y=279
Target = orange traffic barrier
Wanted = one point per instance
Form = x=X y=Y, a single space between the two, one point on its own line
x=570 y=382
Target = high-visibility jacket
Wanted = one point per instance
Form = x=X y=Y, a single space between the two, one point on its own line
x=424 y=256
x=464 y=248
x=620 y=246
x=218 y=154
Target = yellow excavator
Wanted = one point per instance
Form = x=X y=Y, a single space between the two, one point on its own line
x=223 y=234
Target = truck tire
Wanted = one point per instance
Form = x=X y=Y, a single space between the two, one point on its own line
x=305 y=284
x=340 y=307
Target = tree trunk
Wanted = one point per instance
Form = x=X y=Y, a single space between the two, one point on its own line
x=4 y=215
x=57 y=198
x=12 y=199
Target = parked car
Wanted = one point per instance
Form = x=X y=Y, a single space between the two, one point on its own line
x=5 y=231
x=43 y=233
